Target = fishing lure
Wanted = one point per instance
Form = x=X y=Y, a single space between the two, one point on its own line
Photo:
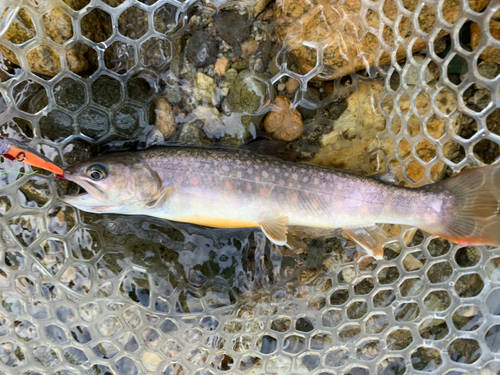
x=15 y=150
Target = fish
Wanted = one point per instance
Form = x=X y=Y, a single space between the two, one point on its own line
x=222 y=188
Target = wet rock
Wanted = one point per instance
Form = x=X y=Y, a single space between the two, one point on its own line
x=260 y=5
x=205 y=89
x=356 y=132
x=20 y=31
x=31 y=97
x=479 y=100
x=58 y=27
x=490 y=54
x=177 y=62
x=192 y=134
x=232 y=27
x=248 y=95
x=249 y=47
x=258 y=65
x=228 y=129
x=292 y=85
x=241 y=65
x=36 y=191
x=488 y=69
x=221 y=65
x=82 y=59
x=349 y=47
x=230 y=76
x=165 y=125
x=44 y=60
x=133 y=22
x=56 y=125
x=201 y=49
x=165 y=118
x=335 y=108
x=173 y=94
x=283 y=121
x=412 y=77
x=211 y=119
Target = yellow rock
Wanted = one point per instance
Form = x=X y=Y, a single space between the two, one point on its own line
x=58 y=27
x=221 y=65
x=356 y=143
x=205 y=89
x=349 y=47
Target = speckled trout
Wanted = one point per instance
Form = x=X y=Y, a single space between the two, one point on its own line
x=240 y=189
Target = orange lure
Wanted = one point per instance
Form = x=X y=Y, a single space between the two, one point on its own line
x=14 y=150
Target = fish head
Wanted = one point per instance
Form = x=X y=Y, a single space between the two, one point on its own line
x=115 y=183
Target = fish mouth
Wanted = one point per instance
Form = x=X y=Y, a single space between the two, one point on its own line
x=86 y=200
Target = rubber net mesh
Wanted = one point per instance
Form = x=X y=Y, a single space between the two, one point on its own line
x=384 y=85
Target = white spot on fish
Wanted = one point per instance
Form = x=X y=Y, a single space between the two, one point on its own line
x=249 y=170
x=437 y=205
x=295 y=176
x=225 y=167
x=316 y=181
x=277 y=170
x=305 y=179
x=265 y=174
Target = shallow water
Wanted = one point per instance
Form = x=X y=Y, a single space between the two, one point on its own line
x=108 y=294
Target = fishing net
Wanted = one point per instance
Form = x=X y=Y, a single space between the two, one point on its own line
x=387 y=85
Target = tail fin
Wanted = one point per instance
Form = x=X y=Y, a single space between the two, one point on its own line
x=475 y=211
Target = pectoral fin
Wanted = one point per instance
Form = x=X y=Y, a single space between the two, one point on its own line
x=276 y=230
x=160 y=197
x=371 y=238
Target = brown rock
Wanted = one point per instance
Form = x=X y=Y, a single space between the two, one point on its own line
x=58 y=27
x=249 y=47
x=357 y=144
x=260 y=5
x=490 y=54
x=165 y=118
x=20 y=30
x=349 y=48
x=284 y=122
x=268 y=14
x=292 y=85
x=44 y=60
x=81 y=58
x=221 y=65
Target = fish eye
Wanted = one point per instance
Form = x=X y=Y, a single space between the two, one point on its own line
x=97 y=172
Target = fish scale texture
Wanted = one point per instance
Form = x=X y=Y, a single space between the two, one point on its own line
x=103 y=294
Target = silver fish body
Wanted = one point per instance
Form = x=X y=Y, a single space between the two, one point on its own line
x=236 y=189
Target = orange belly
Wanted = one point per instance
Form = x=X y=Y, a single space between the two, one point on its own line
x=218 y=222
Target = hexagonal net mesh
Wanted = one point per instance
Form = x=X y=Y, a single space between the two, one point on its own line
x=387 y=85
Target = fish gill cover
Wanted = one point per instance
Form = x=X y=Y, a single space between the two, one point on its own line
x=369 y=86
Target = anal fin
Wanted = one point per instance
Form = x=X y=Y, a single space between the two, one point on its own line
x=276 y=229
x=370 y=238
